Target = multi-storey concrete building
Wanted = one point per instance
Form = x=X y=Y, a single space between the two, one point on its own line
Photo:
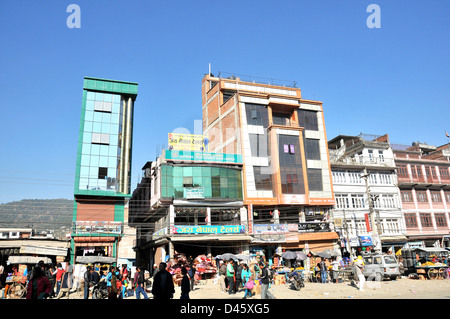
x=287 y=185
x=189 y=202
x=368 y=212
x=103 y=167
x=424 y=180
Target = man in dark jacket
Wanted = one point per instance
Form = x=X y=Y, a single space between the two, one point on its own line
x=87 y=280
x=265 y=280
x=163 y=287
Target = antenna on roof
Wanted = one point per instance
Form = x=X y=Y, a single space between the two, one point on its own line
x=209 y=69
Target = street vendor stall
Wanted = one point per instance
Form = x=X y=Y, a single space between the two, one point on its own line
x=431 y=262
x=205 y=267
x=16 y=281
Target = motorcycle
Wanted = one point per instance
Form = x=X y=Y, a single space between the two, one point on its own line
x=296 y=280
x=99 y=290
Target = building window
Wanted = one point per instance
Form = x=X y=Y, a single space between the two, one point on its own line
x=257 y=114
x=421 y=196
x=425 y=220
x=342 y=201
x=312 y=149
x=402 y=170
x=100 y=138
x=440 y=219
x=263 y=180
x=358 y=201
x=188 y=181
x=447 y=197
x=338 y=176
x=354 y=177
x=443 y=171
x=290 y=162
x=436 y=197
x=406 y=196
x=258 y=145
x=411 y=220
x=102 y=172
x=381 y=156
x=308 y=119
x=385 y=178
x=281 y=118
x=315 y=179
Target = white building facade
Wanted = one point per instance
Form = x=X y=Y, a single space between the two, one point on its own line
x=368 y=212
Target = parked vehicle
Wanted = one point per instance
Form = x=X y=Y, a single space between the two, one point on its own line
x=296 y=280
x=379 y=266
x=99 y=290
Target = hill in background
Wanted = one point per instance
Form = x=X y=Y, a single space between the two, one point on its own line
x=39 y=214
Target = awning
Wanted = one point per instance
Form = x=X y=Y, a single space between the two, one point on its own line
x=432 y=249
x=95 y=259
x=211 y=238
x=318 y=236
x=28 y=260
x=40 y=250
x=390 y=239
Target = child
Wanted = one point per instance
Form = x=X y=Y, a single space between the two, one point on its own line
x=248 y=287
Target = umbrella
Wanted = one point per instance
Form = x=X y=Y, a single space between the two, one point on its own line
x=242 y=257
x=289 y=255
x=301 y=256
x=227 y=256
x=323 y=254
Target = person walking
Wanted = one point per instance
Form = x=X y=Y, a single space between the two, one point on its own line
x=87 y=280
x=111 y=283
x=238 y=277
x=140 y=280
x=58 y=275
x=335 y=270
x=359 y=268
x=230 y=277
x=163 y=287
x=323 y=271
x=222 y=276
x=191 y=274
x=66 y=282
x=39 y=286
x=248 y=285
x=185 y=284
x=265 y=280
x=245 y=274
x=49 y=272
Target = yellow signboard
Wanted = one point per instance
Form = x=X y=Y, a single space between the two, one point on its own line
x=186 y=142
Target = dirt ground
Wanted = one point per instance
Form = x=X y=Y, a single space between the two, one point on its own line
x=403 y=288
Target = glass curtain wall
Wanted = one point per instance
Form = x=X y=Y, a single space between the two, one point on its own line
x=181 y=182
x=101 y=144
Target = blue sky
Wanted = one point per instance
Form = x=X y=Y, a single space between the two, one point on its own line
x=394 y=79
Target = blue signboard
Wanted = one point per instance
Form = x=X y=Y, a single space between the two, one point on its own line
x=366 y=241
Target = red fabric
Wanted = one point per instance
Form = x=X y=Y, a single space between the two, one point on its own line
x=43 y=285
x=59 y=274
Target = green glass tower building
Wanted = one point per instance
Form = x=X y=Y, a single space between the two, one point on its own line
x=103 y=168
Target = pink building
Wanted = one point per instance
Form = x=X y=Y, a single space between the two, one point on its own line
x=423 y=173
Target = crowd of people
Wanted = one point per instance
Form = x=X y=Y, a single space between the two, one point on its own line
x=235 y=275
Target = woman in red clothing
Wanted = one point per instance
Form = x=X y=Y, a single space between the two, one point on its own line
x=39 y=286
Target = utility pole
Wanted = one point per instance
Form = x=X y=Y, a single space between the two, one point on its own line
x=375 y=233
x=349 y=249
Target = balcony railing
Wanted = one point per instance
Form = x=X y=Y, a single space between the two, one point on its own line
x=363 y=160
